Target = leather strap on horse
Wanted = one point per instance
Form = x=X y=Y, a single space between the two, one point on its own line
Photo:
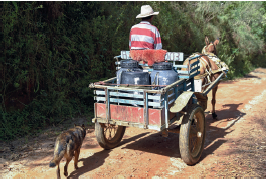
x=207 y=70
x=206 y=74
x=215 y=59
x=218 y=62
x=207 y=67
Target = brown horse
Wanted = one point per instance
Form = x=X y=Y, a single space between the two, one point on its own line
x=208 y=65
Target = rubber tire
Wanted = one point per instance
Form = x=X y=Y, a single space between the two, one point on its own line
x=184 y=136
x=103 y=142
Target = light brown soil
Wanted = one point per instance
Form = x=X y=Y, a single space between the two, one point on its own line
x=235 y=145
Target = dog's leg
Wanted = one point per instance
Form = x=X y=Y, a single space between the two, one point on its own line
x=68 y=159
x=58 y=172
x=76 y=158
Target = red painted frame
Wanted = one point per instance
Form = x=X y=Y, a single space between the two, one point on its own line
x=130 y=114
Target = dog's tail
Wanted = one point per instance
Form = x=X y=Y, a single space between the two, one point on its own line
x=59 y=152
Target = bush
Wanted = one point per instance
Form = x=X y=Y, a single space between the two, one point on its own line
x=53 y=50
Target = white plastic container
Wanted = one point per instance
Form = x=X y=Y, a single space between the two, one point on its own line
x=198 y=85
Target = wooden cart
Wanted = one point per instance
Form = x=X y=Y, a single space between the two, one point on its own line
x=118 y=106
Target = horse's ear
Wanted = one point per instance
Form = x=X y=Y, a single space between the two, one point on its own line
x=216 y=42
x=206 y=41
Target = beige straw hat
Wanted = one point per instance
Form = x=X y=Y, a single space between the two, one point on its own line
x=146 y=10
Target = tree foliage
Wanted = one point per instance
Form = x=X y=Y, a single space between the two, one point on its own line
x=53 y=50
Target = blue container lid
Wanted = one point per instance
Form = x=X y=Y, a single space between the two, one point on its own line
x=129 y=63
x=162 y=66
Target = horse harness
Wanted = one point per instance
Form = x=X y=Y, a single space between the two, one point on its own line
x=208 y=71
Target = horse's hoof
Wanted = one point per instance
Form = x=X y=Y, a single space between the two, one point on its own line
x=214 y=115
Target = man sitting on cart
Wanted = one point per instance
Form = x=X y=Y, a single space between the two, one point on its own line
x=145 y=41
x=144 y=35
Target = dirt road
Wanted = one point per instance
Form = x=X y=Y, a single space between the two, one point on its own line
x=235 y=145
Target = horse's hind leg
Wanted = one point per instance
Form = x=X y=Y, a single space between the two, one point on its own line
x=213 y=101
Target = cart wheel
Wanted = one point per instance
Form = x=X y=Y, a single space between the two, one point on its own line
x=109 y=136
x=192 y=134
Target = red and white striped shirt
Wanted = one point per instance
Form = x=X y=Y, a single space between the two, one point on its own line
x=144 y=36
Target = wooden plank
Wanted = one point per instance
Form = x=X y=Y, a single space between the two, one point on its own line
x=189 y=87
x=146 y=119
x=130 y=114
x=212 y=84
x=183 y=76
x=125 y=55
x=126 y=89
x=174 y=56
x=183 y=72
x=195 y=69
x=126 y=101
x=107 y=104
x=168 y=87
x=180 y=66
x=123 y=123
x=100 y=110
x=119 y=56
x=189 y=76
x=194 y=74
x=194 y=57
x=110 y=80
x=120 y=94
x=195 y=63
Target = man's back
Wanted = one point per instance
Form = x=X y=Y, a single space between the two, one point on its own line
x=144 y=36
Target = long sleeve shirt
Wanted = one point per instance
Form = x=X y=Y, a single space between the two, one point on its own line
x=144 y=36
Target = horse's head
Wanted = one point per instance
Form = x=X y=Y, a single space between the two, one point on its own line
x=210 y=47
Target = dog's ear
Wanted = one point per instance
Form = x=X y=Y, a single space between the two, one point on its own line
x=83 y=126
x=75 y=125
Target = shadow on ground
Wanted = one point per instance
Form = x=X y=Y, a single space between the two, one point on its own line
x=155 y=143
x=98 y=159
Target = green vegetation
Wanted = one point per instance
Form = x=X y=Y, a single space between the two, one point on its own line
x=53 y=50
